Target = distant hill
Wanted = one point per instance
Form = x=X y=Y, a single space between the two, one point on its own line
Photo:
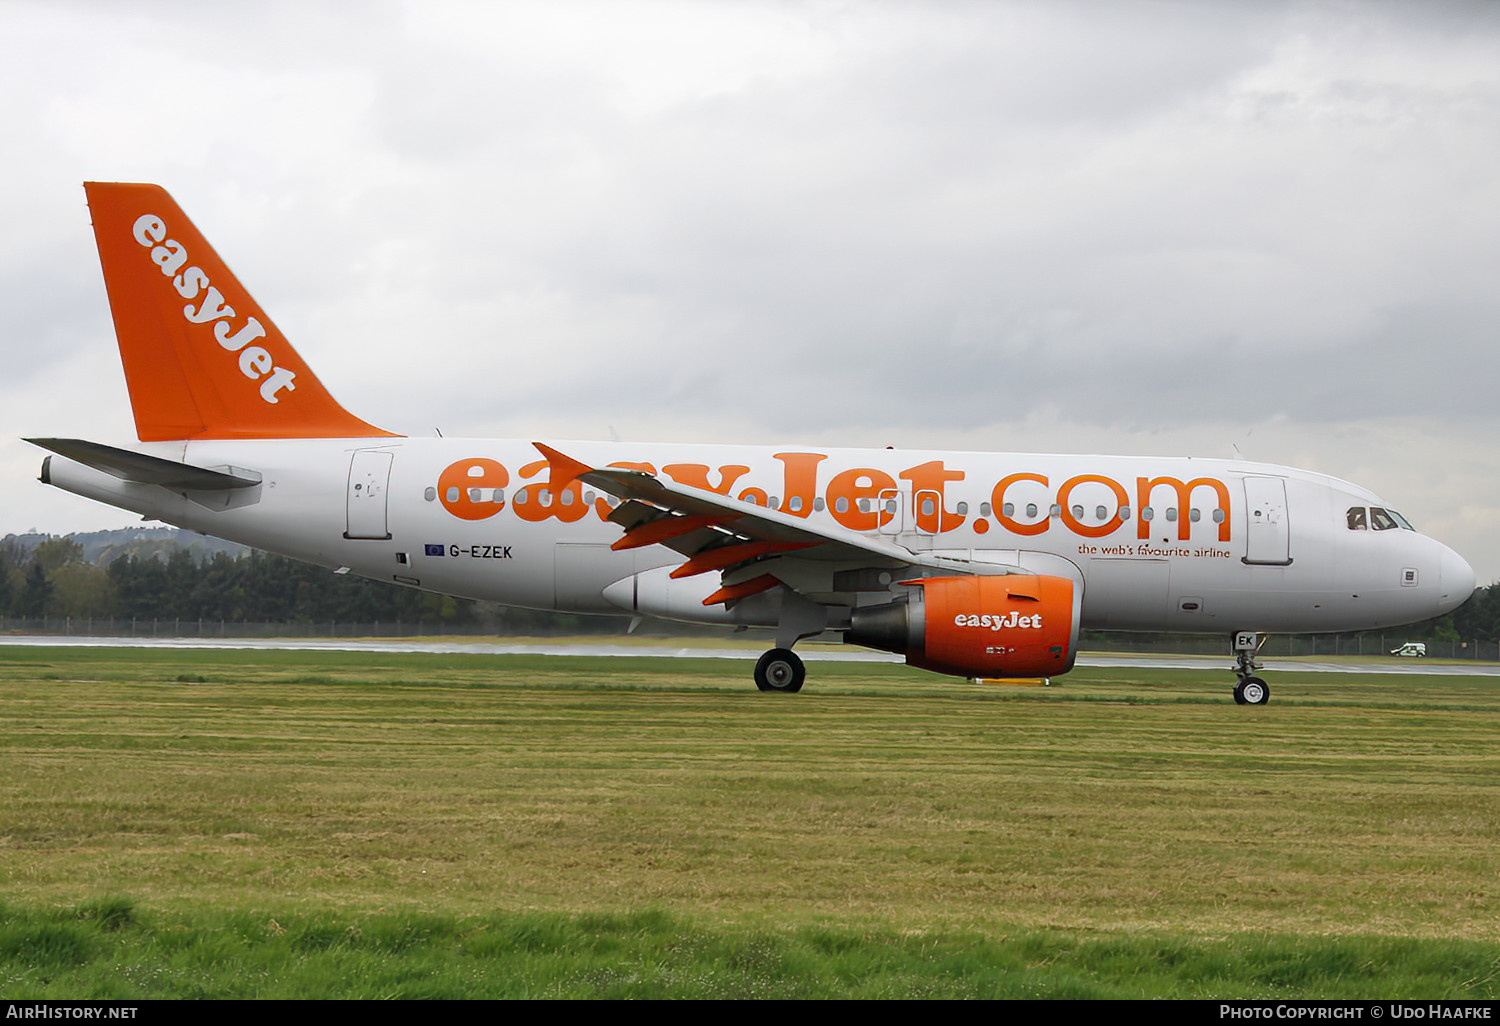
x=104 y=547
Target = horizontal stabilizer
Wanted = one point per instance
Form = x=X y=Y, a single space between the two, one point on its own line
x=143 y=469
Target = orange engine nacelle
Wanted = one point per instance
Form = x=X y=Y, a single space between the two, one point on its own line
x=1017 y=625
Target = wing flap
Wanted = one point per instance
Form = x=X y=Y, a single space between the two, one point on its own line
x=735 y=538
x=733 y=520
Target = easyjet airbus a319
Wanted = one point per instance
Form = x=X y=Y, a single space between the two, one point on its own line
x=973 y=564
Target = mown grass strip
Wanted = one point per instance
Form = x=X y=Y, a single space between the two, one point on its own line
x=341 y=789
x=115 y=951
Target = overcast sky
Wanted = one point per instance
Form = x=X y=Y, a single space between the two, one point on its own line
x=1137 y=227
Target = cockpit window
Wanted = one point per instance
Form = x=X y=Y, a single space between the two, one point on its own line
x=1396 y=520
x=1361 y=519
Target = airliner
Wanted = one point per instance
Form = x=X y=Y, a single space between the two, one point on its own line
x=979 y=565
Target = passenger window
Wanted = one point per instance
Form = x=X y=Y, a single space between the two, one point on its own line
x=1218 y=516
x=1077 y=512
x=430 y=493
x=1356 y=518
x=1101 y=512
x=1195 y=515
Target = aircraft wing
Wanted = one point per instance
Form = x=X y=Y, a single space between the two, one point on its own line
x=716 y=532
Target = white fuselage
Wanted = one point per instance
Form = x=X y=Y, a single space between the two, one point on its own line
x=1157 y=543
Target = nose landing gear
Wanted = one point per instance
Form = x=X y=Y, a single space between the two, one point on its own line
x=1250 y=690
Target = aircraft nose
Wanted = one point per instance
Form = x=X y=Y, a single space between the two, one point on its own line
x=1456 y=581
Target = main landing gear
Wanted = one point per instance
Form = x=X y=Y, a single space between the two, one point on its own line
x=1250 y=690
x=780 y=669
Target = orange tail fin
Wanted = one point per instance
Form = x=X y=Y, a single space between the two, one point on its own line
x=202 y=359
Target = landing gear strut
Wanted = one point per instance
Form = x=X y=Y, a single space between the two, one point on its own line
x=1250 y=690
x=780 y=669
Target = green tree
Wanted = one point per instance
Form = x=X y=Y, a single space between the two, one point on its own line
x=81 y=590
x=12 y=575
x=55 y=553
x=35 y=593
x=1479 y=618
x=139 y=586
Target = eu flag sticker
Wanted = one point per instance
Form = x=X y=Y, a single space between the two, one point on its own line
x=432 y=550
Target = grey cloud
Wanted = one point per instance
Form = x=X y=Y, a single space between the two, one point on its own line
x=903 y=221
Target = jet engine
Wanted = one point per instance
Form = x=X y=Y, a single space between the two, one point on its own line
x=1015 y=625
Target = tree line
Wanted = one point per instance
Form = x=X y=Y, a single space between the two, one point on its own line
x=52 y=579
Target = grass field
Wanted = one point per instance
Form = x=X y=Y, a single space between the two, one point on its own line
x=281 y=824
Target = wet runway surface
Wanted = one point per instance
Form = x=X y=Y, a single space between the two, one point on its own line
x=810 y=653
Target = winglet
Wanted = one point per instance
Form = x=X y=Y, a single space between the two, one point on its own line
x=564 y=469
x=202 y=359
